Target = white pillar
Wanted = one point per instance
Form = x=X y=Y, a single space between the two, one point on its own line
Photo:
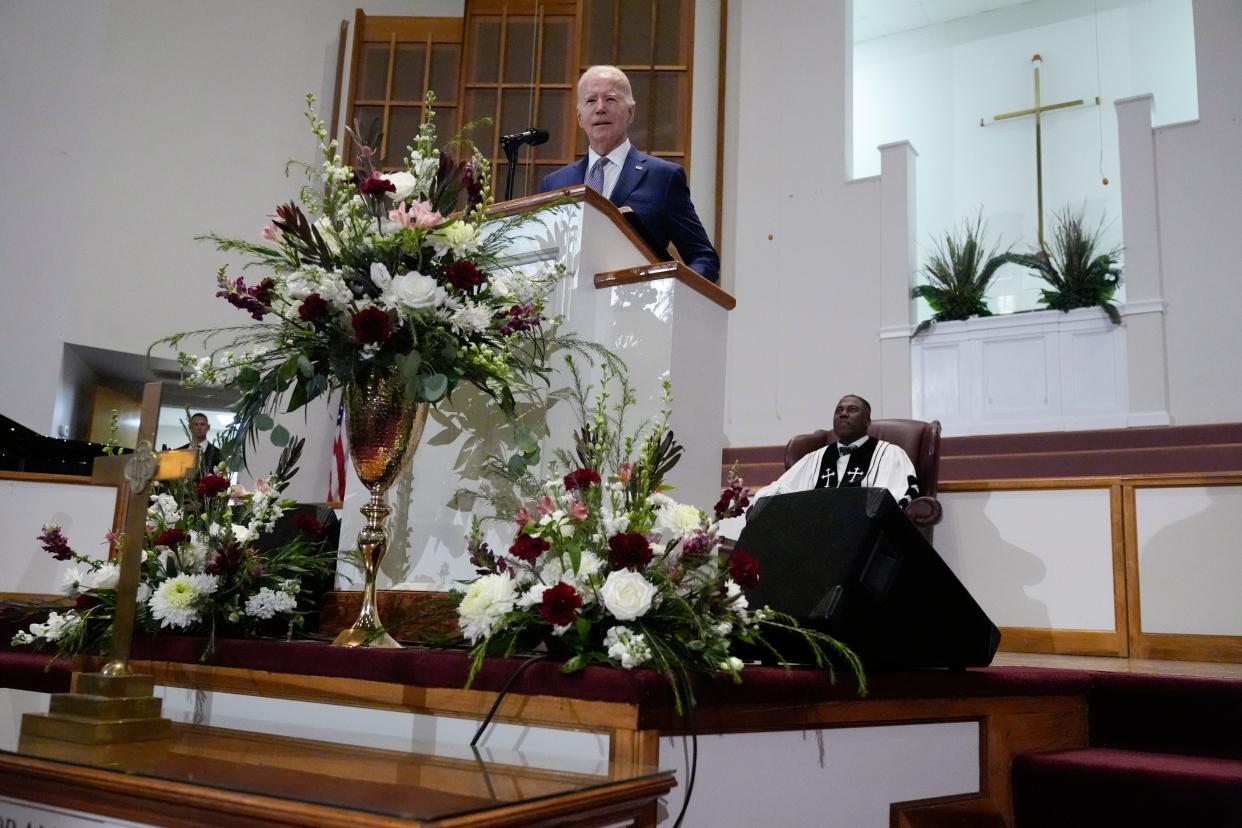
x=897 y=265
x=1144 y=306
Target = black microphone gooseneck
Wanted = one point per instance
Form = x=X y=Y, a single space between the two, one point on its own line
x=534 y=136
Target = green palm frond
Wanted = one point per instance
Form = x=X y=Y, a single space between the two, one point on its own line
x=1077 y=274
x=958 y=273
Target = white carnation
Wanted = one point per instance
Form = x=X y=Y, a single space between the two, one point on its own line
x=627 y=595
x=178 y=601
x=266 y=603
x=486 y=602
x=616 y=523
x=627 y=646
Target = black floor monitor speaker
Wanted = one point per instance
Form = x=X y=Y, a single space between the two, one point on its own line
x=850 y=563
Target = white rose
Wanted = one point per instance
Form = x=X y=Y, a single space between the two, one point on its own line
x=404 y=182
x=627 y=595
x=415 y=291
x=105 y=577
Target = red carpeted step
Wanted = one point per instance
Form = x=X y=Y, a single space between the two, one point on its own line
x=1095 y=786
x=25 y=670
x=1167 y=714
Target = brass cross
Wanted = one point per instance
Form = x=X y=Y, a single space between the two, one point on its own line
x=133 y=474
x=1038 y=110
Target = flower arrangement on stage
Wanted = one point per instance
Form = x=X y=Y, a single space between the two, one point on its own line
x=607 y=568
x=205 y=567
x=373 y=273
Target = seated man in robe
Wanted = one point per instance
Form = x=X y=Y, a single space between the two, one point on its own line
x=854 y=460
x=655 y=189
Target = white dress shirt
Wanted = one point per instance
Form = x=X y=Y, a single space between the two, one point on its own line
x=616 y=159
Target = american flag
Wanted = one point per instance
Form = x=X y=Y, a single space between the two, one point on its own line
x=336 y=471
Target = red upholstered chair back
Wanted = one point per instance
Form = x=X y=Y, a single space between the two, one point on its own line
x=920 y=440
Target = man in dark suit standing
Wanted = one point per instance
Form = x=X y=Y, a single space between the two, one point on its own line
x=655 y=189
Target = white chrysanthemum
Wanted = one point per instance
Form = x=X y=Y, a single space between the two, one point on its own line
x=460 y=238
x=471 y=318
x=658 y=499
x=673 y=521
x=164 y=508
x=487 y=600
x=75 y=579
x=627 y=646
x=627 y=595
x=105 y=577
x=532 y=596
x=266 y=603
x=178 y=601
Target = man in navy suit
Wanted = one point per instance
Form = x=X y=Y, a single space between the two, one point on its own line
x=655 y=189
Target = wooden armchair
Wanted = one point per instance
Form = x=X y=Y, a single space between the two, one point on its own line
x=920 y=440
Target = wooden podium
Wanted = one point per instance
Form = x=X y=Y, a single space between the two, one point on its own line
x=661 y=318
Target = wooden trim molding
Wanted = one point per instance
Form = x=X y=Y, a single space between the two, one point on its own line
x=41 y=477
x=666 y=270
x=1074 y=642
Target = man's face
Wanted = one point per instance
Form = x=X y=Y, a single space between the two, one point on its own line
x=199 y=428
x=850 y=420
x=603 y=113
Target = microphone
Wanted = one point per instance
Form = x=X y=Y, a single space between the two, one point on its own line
x=533 y=136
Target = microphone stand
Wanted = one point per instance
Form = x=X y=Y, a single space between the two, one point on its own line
x=511 y=151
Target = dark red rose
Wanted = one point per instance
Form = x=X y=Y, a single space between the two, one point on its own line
x=629 y=550
x=744 y=569
x=172 y=537
x=212 y=485
x=464 y=275
x=560 y=603
x=309 y=525
x=313 y=308
x=377 y=185
x=581 y=479
x=372 y=326
x=529 y=547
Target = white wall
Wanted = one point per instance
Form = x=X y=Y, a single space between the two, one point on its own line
x=132 y=126
x=932 y=85
x=798 y=237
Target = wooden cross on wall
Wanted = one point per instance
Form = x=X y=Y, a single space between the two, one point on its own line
x=133 y=473
x=1038 y=110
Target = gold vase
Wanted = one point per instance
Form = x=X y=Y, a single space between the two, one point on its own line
x=384 y=426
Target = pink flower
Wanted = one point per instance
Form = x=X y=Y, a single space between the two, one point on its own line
x=523 y=517
x=270 y=233
x=624 y=471
x=238 y=491
x=111 y=536
x=425 y=217
x=578 y=510
x=261 y=485
x=546 y=505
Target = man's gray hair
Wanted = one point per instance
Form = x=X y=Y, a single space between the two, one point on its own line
x=605 y=69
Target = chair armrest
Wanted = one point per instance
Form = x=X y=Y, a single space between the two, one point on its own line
x=924 y=511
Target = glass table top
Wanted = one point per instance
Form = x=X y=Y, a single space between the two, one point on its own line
x=403 y=777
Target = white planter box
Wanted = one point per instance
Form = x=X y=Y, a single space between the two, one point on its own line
x=1039 y=371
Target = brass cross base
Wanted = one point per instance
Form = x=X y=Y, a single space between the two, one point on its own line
x=101 y=710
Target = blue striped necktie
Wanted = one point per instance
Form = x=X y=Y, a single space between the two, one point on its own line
x=595 y=178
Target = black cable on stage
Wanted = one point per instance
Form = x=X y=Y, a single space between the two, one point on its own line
x=694 y=767
x=503 y=691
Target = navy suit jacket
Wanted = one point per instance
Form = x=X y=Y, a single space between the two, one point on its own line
x=656 y=190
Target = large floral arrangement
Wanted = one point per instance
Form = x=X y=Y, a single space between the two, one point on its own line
x=374 y=271
x=607 y=568
x=205 y=567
